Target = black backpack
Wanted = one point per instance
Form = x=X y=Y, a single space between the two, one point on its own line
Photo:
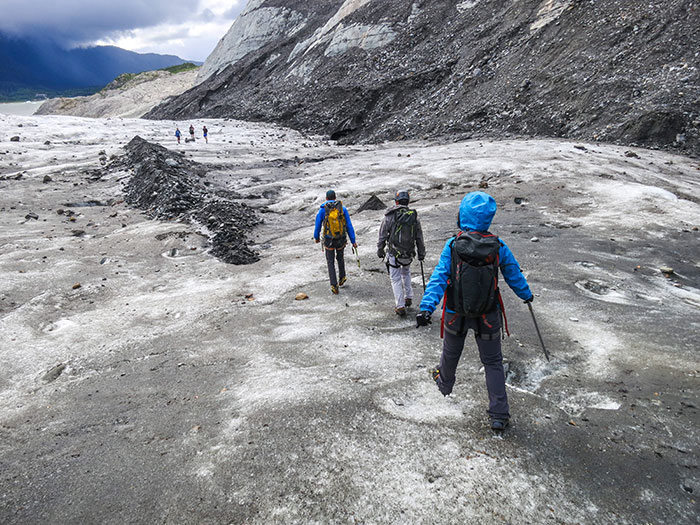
x=402 y=238
x=474 y=273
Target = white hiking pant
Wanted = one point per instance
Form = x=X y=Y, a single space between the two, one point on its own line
x=400 y=282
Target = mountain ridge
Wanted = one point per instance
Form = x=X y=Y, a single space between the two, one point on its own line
x=29 y=66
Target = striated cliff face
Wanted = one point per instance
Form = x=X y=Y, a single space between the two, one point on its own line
x=370 y=70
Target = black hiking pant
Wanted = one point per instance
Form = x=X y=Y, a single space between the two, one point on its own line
x=487 y=331
x=331 y=257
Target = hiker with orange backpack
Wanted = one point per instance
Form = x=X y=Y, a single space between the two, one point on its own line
x=467 y=277
x=333 y=217
x=400 y=235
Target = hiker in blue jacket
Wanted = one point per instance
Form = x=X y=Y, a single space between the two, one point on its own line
x=475 y=215
x=335 y=220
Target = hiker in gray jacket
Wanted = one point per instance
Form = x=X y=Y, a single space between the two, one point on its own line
x=401 y=234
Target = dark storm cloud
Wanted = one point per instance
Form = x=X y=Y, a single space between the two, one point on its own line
x=71 y=22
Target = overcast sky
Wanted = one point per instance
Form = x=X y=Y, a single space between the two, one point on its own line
x=189 y=29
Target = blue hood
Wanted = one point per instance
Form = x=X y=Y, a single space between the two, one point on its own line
x=476 y=211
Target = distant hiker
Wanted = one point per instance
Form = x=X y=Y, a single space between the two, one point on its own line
x=205 y=132
x=334 y=218
x=178 y=134
x=191 y=132
x=467 y=275
x=401 y=233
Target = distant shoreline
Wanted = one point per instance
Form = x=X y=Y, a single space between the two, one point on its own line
x=20 y=108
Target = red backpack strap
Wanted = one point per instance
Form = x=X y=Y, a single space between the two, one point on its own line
x=442 y=319
x=503 y=313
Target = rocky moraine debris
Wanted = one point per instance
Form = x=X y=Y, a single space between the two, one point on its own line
x=169 y=187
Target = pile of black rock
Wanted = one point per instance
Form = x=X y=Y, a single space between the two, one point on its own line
x=170 y=187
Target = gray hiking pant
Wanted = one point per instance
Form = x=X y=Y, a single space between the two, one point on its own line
x=331 y=257
x=487 y=331
x=400 y=282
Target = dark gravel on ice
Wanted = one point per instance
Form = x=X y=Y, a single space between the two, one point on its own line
x=170 y=187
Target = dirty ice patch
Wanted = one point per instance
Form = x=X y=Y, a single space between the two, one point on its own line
x=603 y=291
x=577 y=404
x=301 y=327
x=395 y=478
x=61 y=325
x=603 y=202
x=468 y=4
x=284 y=278
x=269 y=382
x=325 y=33
x=387 y=352
x=366 y=37
x=422 y=402
x=548 y=12
x=187 y=297
x=600 y=348
x=529 y=380
x=687 y=294
x=345 y=10
x=253 y=29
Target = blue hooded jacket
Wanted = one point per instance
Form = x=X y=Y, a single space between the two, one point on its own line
x=475 y=214
x=322 y=215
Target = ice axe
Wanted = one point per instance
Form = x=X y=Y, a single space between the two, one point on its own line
x=354 y=249
x=422 y=273
x=537 y=329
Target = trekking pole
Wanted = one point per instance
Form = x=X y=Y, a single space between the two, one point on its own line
x=358 y=257
x=422 y=273
x=546 y=354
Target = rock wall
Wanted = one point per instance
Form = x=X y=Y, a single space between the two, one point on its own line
x=371 y=70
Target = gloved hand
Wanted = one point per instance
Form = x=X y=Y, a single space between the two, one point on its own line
x=421 y=259
x=380 y=253
x=423 y=319
x=529 y=300
x=354 y=245
x=317 y=240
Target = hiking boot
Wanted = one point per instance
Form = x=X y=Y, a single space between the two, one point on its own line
x=334 y=290
x=342 y=281
x=401 y=312
x=499 y=424
x=435 y=375
x=409 y=302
